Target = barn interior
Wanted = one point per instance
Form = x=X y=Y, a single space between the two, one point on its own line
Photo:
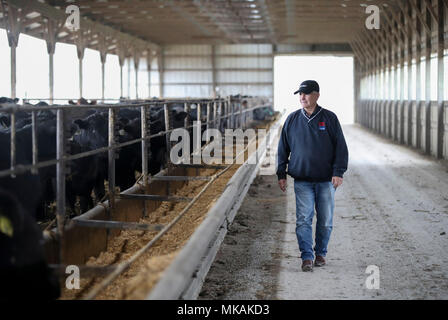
x=214 y=49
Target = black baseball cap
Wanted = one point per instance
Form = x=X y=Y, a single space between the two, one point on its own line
x=307 y=87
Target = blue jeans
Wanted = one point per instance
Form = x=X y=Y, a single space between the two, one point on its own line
x=308 y=195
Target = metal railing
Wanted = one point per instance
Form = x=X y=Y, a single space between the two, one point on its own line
x=220 y=113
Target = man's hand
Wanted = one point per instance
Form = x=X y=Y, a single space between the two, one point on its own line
x=336 y=181
x=282 y=184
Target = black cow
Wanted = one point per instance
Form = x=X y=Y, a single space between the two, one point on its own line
x=24 y=272
x=32 y=190
x=130 y=158
x=264 y=113
x=8 y=100
x=89 y=173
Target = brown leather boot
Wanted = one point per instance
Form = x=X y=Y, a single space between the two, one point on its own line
x=307 y=265
x=320 y=261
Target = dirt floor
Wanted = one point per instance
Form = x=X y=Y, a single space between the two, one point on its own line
x=248 y=263
x=137 y=281
x=391 y=212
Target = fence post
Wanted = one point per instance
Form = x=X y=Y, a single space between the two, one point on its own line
x=60 y=180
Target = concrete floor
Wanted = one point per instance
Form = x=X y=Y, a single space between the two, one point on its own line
x=391 y=212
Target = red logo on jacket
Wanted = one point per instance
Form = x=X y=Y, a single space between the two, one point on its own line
x=321 y=125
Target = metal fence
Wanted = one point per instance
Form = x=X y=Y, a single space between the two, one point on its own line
x=220 y=113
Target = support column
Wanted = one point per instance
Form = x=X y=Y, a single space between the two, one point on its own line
x=103 y=55
x=12 y=21
x=213 y=60
x=410 y=88
x=357 y=78
x=51 y=37
x=148 y=69
x=51 y=72
x=396 y=95
x=129 y=78
x=418 y=89
x=387 y=116
x=440 y=76
x=428 y=82
x=80 y=48
x=13 y=70
x=121 y=52
x=388 y=94
x=402 y=102
x=136 y=64
x=80 y=59
x=161 y=67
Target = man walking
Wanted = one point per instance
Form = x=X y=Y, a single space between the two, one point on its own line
x=313 y=147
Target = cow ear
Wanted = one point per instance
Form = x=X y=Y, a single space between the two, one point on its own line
x=5 y=121
x=6 y=226
x=82 y=124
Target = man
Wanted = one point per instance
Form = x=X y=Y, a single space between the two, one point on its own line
x=313 y=141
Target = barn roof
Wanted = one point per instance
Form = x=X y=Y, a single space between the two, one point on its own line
x=150 y=23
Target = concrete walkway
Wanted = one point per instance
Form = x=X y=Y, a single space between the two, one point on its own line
x=391 y=212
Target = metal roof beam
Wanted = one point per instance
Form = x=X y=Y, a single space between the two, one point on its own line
x=56 y=14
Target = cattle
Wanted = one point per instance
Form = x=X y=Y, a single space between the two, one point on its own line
x=8 y=100
x=264 y=113
x=87 y=130
x=132 y=126
x=22 y=118
x=24 y=273
x=82 y=101
x=88 y=173
x=36 y=191
x=33 y=190
x=92 y=133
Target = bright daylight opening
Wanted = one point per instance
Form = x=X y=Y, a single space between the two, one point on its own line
x=334 y=75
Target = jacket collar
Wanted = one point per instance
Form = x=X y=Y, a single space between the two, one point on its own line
x=315 y=113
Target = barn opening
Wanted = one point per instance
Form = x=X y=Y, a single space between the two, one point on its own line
x=333 y=73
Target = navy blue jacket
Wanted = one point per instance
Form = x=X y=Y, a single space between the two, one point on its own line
x=315 y=146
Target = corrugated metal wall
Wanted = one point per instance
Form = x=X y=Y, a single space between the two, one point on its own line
x=206 y=71
x=403 y=91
